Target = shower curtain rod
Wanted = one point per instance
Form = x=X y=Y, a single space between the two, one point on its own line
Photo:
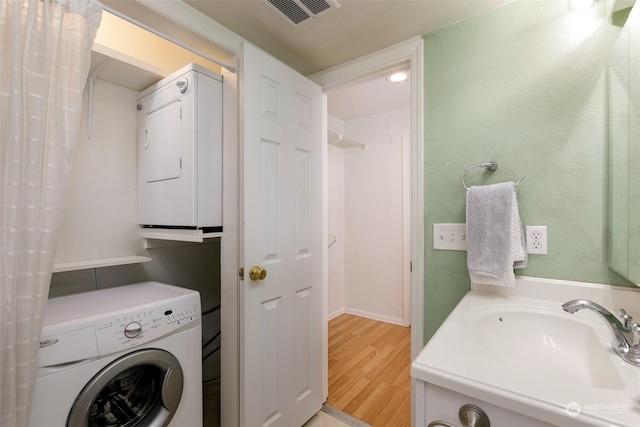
x=167 y=38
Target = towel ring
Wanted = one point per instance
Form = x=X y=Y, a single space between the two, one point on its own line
x=491 y=165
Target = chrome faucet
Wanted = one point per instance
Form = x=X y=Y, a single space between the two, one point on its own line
x=626 y=336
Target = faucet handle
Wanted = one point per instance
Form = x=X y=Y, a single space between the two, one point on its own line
x=635 y=329
x=633 y=354
x=626 y=318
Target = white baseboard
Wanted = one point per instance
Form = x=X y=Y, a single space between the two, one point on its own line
x=335 y=314
x=381 y=317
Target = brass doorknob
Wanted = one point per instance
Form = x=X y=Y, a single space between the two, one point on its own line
x=257 y=273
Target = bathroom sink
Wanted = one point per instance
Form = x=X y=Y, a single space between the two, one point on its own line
x=551 y=344
x=516 y=348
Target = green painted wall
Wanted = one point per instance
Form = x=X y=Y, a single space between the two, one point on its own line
x=524 y=85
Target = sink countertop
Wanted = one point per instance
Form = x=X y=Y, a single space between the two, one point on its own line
x=458 y=359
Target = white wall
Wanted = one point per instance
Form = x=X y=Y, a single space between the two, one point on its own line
x=100 y=219
x=100 y=214
x=367 y=186
x=373 y=216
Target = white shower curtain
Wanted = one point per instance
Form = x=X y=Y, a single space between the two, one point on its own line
x=45 y=53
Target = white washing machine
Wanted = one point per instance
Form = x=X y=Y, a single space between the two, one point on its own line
x=126 y=356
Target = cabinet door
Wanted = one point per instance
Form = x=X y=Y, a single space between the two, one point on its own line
x=283 y=151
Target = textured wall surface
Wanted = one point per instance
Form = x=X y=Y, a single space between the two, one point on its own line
x=524 y=85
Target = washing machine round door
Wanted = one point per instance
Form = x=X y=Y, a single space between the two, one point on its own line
x=141 y=389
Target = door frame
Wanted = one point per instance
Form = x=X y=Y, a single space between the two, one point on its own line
x=385 y=60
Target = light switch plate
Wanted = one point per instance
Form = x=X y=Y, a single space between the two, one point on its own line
x=450 y=237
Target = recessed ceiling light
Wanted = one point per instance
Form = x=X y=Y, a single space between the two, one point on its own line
x=398 y=77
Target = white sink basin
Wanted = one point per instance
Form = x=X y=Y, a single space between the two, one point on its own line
x=514 y=349
x=551 y=344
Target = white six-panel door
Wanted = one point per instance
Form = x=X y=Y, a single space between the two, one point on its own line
x=281 y=155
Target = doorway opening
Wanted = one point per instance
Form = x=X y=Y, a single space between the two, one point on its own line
x=356 y=72
x=369 y=267
x=369 y=123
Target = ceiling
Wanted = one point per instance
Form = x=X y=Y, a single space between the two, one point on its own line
x=371 y=97
x=355 y=29
x=352 y=30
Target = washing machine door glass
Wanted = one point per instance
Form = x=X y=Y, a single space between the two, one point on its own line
x=139 y=389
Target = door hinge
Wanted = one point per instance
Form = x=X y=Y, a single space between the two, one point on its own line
x=180 y=162
x=241 y=273
x=410 y=266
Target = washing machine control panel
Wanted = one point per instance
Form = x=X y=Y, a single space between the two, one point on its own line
x=145 y=324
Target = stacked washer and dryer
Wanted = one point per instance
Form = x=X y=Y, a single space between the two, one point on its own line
x=132 y=355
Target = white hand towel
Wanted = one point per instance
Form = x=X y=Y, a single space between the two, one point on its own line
x=495 y=242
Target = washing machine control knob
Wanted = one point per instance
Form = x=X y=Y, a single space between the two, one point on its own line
x=132 y=330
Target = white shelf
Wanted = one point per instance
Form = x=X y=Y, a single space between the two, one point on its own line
x=98 y=263
x=338 y=140
x=178 y=235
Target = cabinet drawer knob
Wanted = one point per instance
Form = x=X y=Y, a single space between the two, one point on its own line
x=470 y=416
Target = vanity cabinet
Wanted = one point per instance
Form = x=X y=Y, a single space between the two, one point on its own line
x=442 y=404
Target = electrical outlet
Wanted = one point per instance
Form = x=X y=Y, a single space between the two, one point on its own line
x=536 y=237
x=450 y=237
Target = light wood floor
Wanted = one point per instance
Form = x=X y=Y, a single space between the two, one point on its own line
x=369 y=370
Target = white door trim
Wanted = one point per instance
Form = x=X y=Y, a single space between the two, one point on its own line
x=336 y=77
x=197 y=22
x=325 y=255
x=229 y=256
x=406 y=230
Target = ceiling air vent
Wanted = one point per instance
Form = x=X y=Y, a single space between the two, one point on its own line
x=300 y=11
